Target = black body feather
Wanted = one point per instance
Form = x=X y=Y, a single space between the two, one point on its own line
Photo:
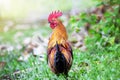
x=60 y=61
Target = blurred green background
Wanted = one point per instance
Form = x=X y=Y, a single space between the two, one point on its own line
x=20 y=8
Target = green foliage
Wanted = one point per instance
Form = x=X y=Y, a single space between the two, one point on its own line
x=102 y=42
x=104 y=23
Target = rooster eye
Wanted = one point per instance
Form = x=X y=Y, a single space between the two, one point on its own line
x=52 y=21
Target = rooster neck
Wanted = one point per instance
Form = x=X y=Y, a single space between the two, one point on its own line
x=59 y=34
x=60 y=30
x=59 y=26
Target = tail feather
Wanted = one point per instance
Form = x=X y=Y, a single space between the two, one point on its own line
x=57 y=47
x=60 y=61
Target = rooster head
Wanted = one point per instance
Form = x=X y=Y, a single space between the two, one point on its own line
x=52 y=19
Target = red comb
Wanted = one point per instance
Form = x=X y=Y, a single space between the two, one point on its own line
x=55 y=14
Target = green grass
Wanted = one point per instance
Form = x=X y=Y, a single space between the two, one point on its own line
x=93 y=64
x=97 y=64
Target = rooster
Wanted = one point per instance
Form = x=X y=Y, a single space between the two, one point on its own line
x=59 y=51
